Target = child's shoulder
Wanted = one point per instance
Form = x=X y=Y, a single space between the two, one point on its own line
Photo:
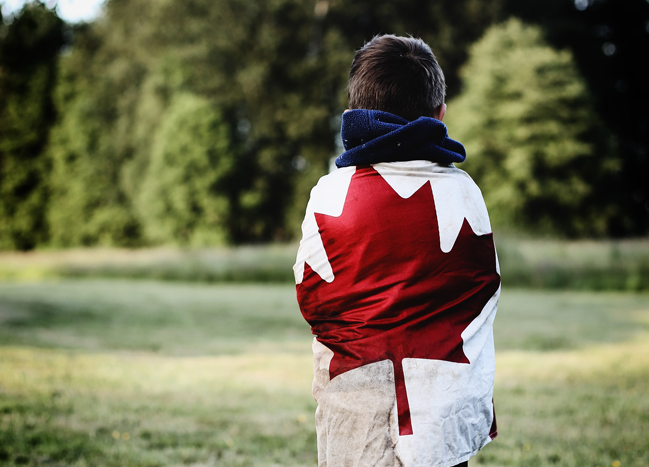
x=456 y=196
x=418 y=171
x=402 y=174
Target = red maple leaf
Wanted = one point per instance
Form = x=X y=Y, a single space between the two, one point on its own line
x=395 y=294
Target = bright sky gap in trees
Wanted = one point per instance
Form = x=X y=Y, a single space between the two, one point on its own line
x=71 y=11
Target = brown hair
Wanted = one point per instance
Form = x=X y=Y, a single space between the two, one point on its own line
x=396 y=74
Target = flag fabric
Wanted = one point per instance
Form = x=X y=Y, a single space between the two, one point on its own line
x=398 y=277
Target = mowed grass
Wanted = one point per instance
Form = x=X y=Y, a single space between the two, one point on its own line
x=136 y=373
x=537 y=263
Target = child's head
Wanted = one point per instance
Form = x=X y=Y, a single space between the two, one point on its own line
x=399 y=75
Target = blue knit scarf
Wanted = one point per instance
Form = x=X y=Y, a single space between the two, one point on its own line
x=372 y=136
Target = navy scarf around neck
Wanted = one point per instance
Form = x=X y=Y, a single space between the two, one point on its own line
x=373 y=136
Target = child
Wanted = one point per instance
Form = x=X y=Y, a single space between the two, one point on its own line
x=397 y=275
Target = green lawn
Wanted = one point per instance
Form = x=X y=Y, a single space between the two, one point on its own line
x=621 y=265
x=136 y=373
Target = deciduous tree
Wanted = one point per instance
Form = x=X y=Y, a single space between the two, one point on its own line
x=29 y=48
x=534 y=142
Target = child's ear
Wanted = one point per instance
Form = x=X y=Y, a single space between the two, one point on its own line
x=441 y=113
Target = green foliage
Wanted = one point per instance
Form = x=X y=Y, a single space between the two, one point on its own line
x=88 y=204
x=183 y=198
x=534 y=144
x=28 y=51
x=617 y=80
x=274 y=74
x=253 y=64
x=275 y=71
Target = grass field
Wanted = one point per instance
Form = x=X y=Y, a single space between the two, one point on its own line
x=143 y=373
x=621 y=265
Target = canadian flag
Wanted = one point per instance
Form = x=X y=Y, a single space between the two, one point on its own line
x=398 y=277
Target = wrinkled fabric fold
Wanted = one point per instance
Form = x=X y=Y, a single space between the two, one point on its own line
x=373 y=136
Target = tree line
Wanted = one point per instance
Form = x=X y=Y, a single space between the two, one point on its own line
x=207 y=122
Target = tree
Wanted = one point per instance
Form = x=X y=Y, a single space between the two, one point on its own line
x=607 y=39
x=250 y=60
x=89 y=145
x=29 y=49
x=535 y=145
x=275 y=72
x=183 y=198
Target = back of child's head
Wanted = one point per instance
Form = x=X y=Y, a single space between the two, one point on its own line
x=396 y=74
